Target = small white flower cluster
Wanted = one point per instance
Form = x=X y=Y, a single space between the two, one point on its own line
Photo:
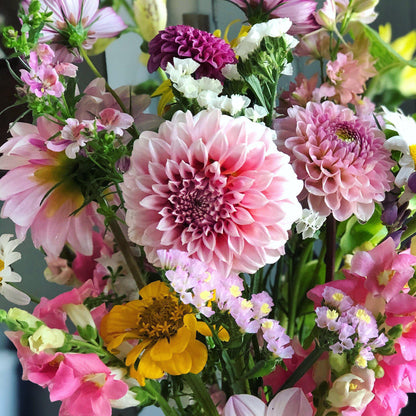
x=274 y=28
x=309 y=223
x=207 y=91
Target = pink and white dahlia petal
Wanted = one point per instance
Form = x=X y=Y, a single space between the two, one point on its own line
x=339 y=156
x=290 y=402
x=213 y=186
x=244 y=405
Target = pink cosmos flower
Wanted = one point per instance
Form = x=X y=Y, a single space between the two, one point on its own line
x=213 y=186
x=300 y=12
x=33 y=172
x=89 y=22
x=181 y=41
x=340 y=158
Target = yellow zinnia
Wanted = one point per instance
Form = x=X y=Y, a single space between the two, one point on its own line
x=165 y=329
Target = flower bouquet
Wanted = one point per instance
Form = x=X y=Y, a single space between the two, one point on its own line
x=245 y=251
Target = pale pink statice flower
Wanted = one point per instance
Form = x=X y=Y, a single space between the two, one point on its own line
x=340 y=157
x=7 y=257
x=83 y=17
x=33 y=171
x=277 y=341
x=114 y=120
x=213 y=186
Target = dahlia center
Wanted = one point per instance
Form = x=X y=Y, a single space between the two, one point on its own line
x=197 y=204
x=161 y=318
x=346 y=132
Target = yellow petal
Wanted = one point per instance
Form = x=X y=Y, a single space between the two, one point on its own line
x=161 y=350
x=179 y=364
x=223 y=334
x=149 y=368
x=385 y=32
x=155 y=289
x=135 y=352
x=199 y=354
x=203 y=329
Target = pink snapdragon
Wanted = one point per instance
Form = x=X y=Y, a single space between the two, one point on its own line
x=43 y=78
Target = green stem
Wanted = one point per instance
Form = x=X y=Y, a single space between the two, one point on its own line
x=331 y=231
x=161 y=401
x=201 y=394
x=129 y=9
x=128 y=255
x=304 y=366
x=133 y=129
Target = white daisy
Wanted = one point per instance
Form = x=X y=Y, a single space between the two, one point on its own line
x=404 y=142
x=7 y=257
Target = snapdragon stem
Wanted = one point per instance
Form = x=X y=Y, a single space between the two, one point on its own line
x=331 y=231
x=128 y=255
x=201 y=394
x=133 y=129
x=303 y=367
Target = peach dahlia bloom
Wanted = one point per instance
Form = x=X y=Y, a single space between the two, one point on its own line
x=213 y=186
x=339 y=156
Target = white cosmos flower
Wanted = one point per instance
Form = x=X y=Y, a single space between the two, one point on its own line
x=7 y=257
x=404 y=142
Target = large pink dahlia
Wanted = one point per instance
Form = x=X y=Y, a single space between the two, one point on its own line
x=213 y=186
x=182 y=41
x=339 y=156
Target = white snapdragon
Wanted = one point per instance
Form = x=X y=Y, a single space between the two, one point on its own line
x=309 y=223
x=404 y=142
x=273 y=28
x=7 y=257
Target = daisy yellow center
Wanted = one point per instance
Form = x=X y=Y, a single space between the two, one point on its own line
x=161 y=318
x=363 y=316
x=1 y=265
x=412 y=150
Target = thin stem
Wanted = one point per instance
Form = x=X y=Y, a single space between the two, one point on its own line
x=161 y=401
x=133 y=129
x=129 y=9
x=331 y=231
x=201 y=394
x=304 y=366
x=128 y=255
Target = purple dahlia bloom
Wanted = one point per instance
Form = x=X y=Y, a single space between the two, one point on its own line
x=182 y=41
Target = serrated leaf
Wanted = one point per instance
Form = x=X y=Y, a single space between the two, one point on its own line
x=387 y=57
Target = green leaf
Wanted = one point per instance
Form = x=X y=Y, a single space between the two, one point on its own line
x=387 y=57
x=255 y=85
x=260 y=369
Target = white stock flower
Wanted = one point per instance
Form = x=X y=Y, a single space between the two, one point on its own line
x=234 y=104
x=309 y=223
x=273 y=28
x=256 y=113
x=188 y=86
x=210 y=84
x=230 y=72
x=404 y=142
x=7 y=257
x=181 y=67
